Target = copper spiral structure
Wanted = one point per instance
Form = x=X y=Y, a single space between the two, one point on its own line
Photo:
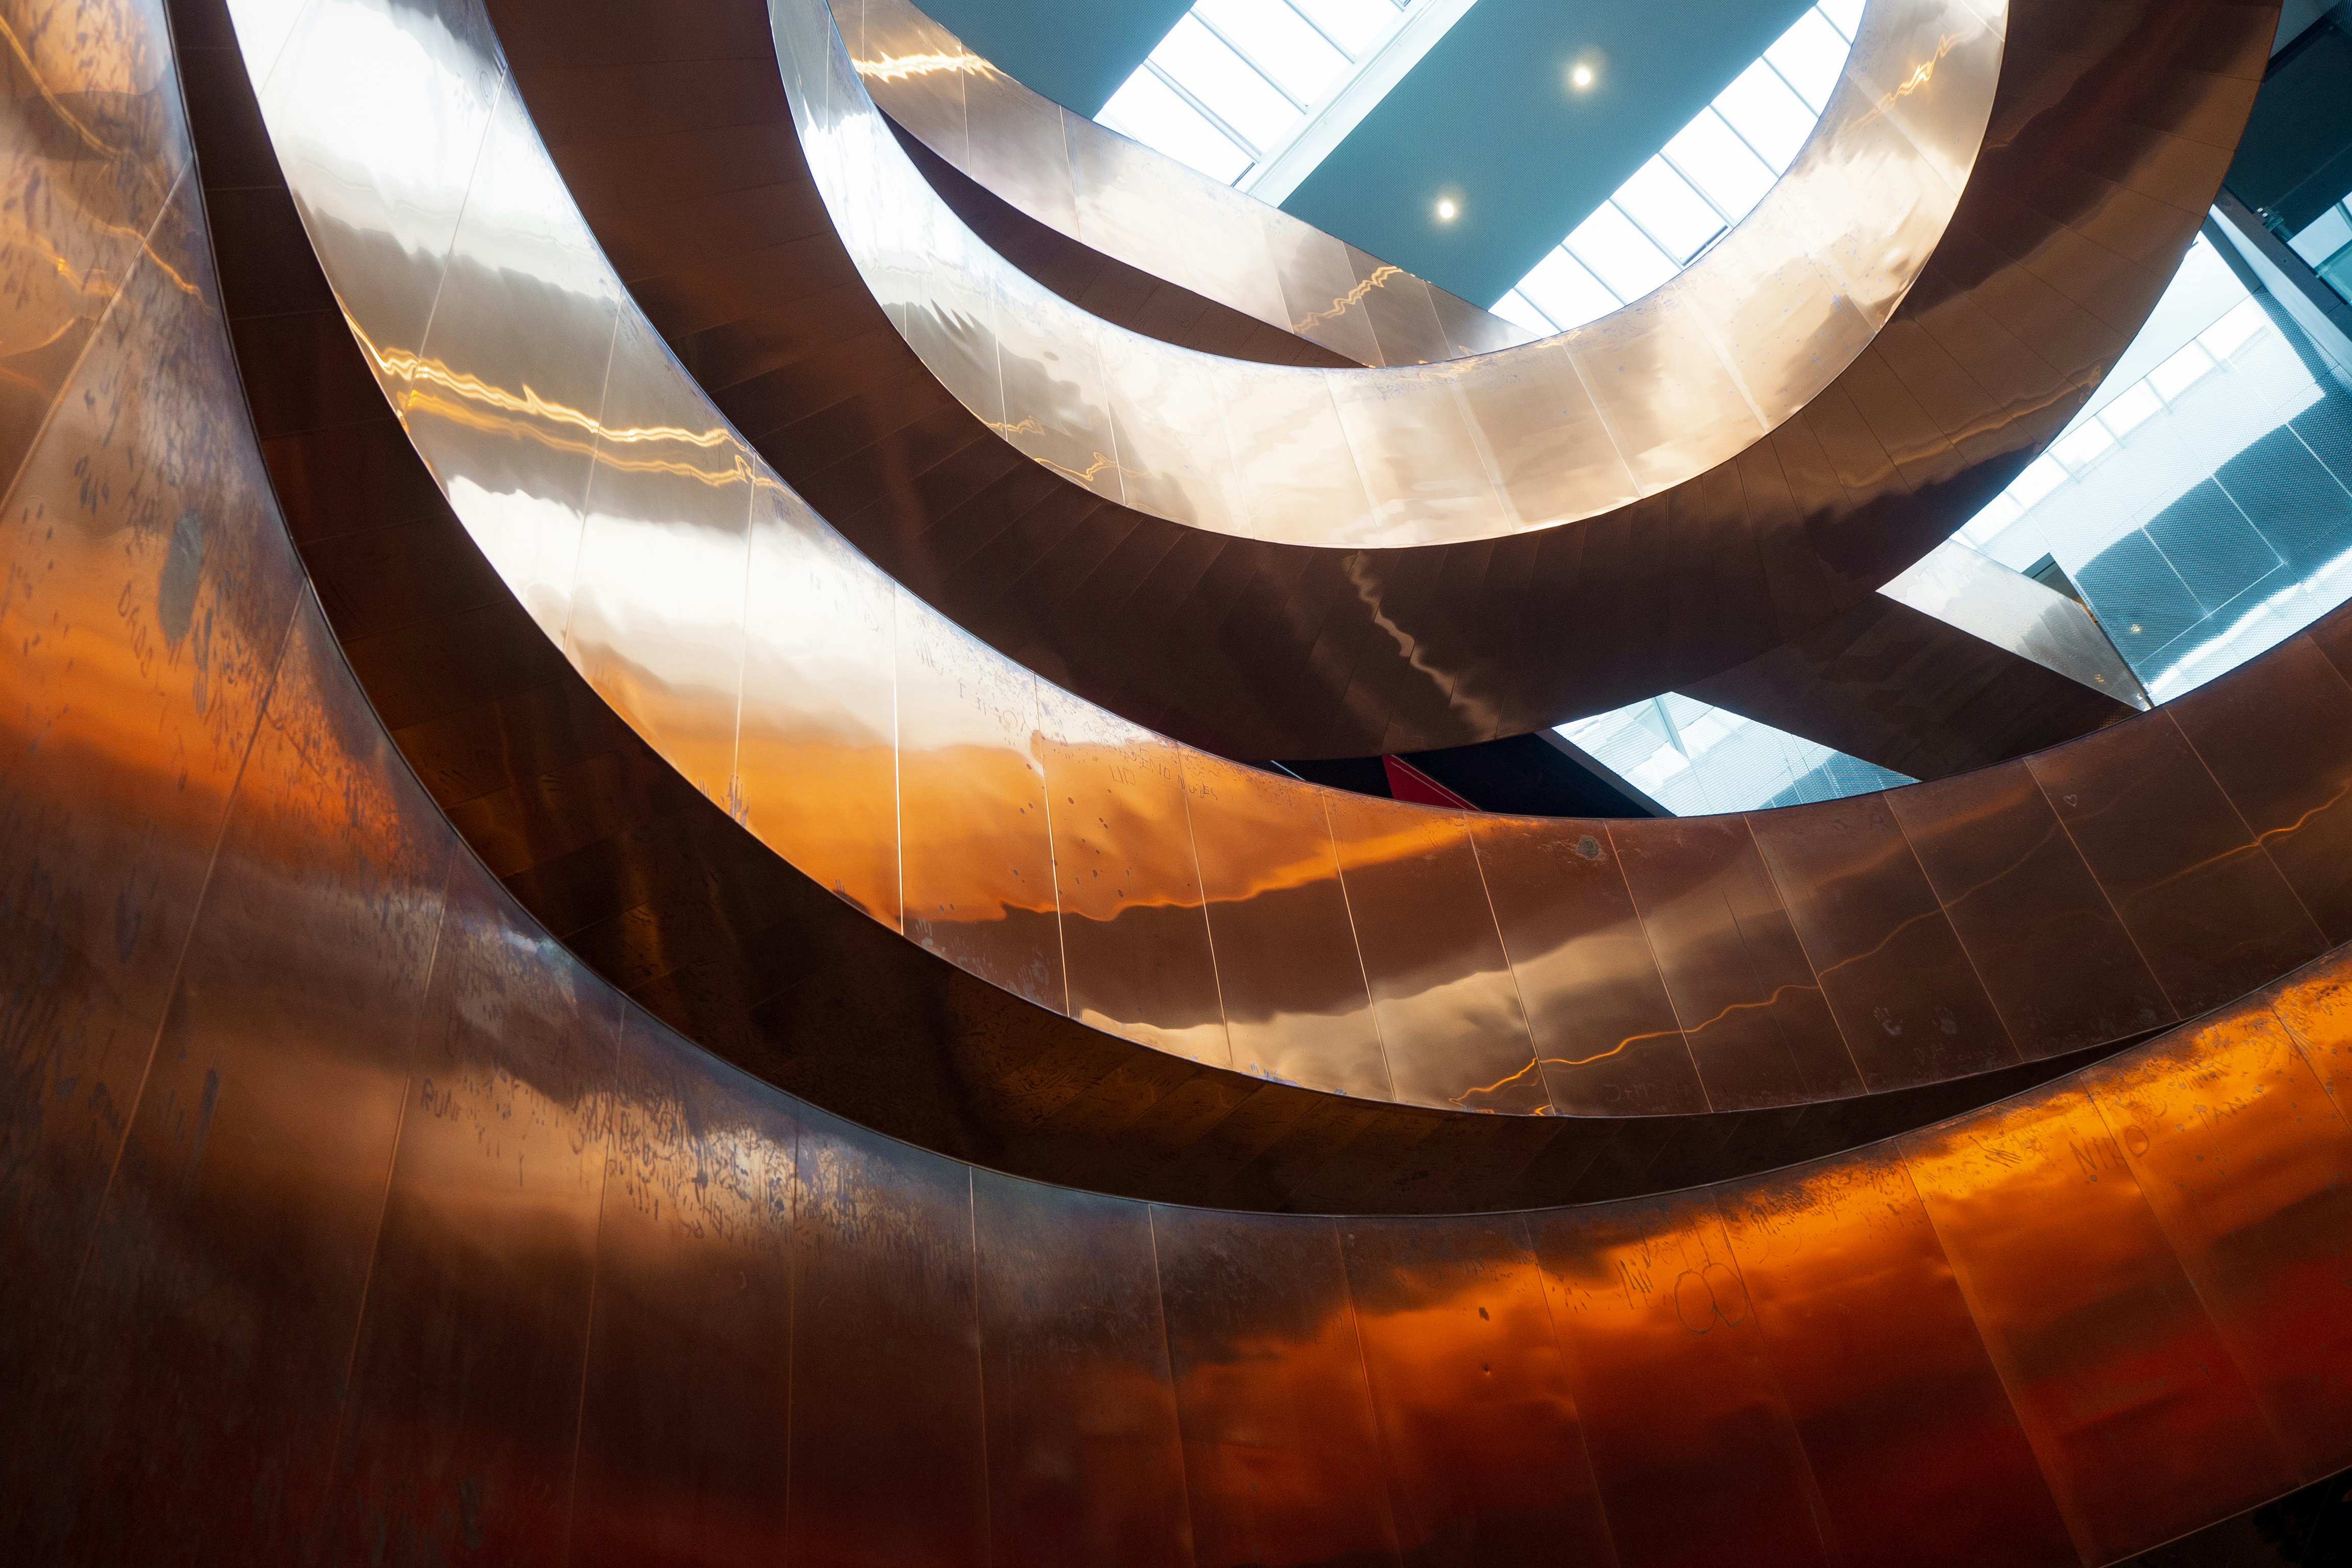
x=353 y=1213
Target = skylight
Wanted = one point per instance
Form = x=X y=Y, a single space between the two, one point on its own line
x=1256 y=93
x=1708 y=177
x=1695 y=759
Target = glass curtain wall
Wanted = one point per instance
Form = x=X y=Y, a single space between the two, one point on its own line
x=2197 y=506
x=2293 y=166
x=2200 y=507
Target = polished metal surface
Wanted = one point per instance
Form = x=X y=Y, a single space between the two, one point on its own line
x=1503 y=442
x=347 y=1217
x=2110 y=133
x=1254 y=932
x=1919 y=695
x=657 y=889
x=1924 y=715
x=2009 y=610
x=1105 y=287
x=1086 y=182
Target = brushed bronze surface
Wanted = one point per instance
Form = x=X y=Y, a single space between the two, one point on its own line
x=1269 y=937
x=1145 y=214
x=710 y=217
x=1724 y=352
x=652 y=884
x=384 y=1218
x=2101 y=1339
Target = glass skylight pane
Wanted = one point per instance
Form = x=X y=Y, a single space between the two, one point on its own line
x=2040 y=476
x=2181 y=371
x=1274 y=38
x=1199 y=62
x=1618 y=254
x=1810 y=55
x=2083 y=447
x=1691 y=758
x=1565 y=292
x=1712 y=173
x=1846 y=16
x=2328 y=233
x=2230 y=333
x=2130 y=409
x=1354 y=25
x=1720 y=164
x=1668 y=210
x=1773 y=119
x=2003 y=510
x=1517 y=310
x=1147 y=109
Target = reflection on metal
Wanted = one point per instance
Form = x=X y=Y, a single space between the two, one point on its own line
x=412 y=1232
x=694 y=919
x=900 y=49
x=1259 y=649
x=1506 y=442
x=2014 y=613
x=2200 y=506
x=1911 y=692
x=1144 y=208
x=1203 y=909
x=344 y=1208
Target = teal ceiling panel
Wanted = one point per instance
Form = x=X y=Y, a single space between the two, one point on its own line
x=1492 y=121
x=1076 y=52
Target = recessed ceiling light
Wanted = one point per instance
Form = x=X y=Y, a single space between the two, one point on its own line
x=1447 y=210
x=1581 y=76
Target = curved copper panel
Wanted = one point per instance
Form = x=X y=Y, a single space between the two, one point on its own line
x=1477 y=446
x=2106 y=145
x=1165 y=220
x=657 y=889
x=1957 y=663
x=1255 y=931
x=346 y=1212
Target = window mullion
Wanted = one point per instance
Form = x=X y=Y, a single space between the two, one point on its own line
x=1254 y=68
x=1168 y=79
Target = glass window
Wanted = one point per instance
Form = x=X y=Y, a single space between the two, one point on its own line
x=1354 y=25
x=1262 y=73
x=2131 y=408
x=1274 y=39
x=1693 y=759
x=1846 y=16
x=1149 y=110
x=1200 y=62
x=1987 y=525
x=1517 y=310
x=1662 y=203
x=2326 y=234
x=1567 y=293
x=2234 y=331
x=1711 y=155
x=2040 y=476
x=1769 y=115
x=1618 y=254
x=1716 y=169
x=1809 y=56
x=2181 y=371
x=2083 y=446
x=2219 y=527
